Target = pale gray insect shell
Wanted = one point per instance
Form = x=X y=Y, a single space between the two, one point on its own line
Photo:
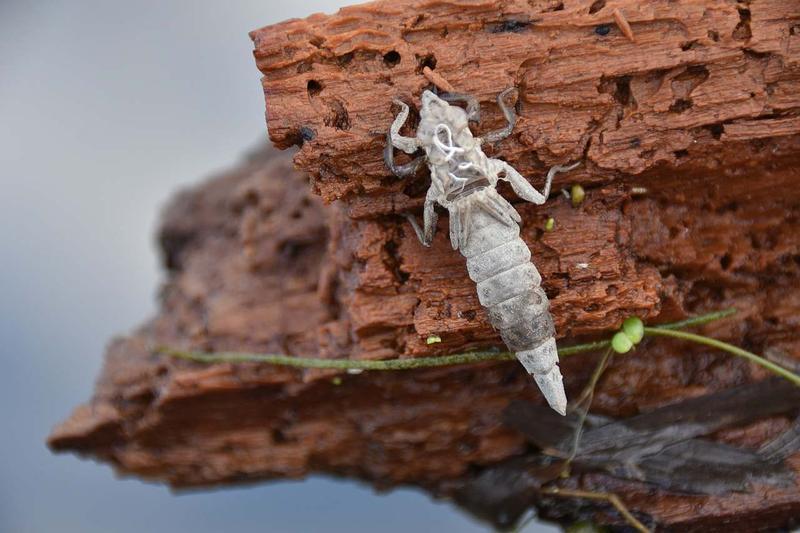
x=485 y=228
x=509 y=286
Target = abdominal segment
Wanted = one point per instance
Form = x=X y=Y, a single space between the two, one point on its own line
x=508 y=284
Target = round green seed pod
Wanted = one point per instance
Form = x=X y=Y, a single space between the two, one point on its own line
x=621 y=343
x=633 y=328
x=577 y=194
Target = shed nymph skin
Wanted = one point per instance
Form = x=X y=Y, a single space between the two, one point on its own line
x=484 y=227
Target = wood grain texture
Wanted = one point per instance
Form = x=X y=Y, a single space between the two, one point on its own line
x=701 y=112
x=585 y=91
x=249 y=269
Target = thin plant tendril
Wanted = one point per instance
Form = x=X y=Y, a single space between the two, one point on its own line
x=724 y=346
x=608 y=497
x=409 y=363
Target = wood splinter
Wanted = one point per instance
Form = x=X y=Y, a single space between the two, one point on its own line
x=440 y=83
x=623 y=25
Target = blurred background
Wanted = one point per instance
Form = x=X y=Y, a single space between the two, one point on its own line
x=106 y=109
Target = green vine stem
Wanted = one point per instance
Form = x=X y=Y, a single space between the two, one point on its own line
x=448 y=360
x=608 y=497
x=698 y=320
x=714 y=343
x=673 y=330
x=340 y=364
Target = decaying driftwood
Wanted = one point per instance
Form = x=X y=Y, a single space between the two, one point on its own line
x=701 y=110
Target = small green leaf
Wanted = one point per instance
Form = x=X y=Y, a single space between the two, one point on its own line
x=433 y=339
x=621 y=343
x=633 y=328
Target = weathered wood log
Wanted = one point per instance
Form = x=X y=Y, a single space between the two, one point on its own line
x=701 y=112
x=249 y=271
x=700 y=75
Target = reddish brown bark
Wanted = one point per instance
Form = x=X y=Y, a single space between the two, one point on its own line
x=699 y=74
x=702 y=111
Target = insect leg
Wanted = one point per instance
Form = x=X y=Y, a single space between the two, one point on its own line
x=407 y=144
x=466 y=222
x=429 y=220
x=455 y=227
x=473 y=106
x=511 y=119
x=555 y=170
x=401 y=171
x=498 y=207
x=522 y=187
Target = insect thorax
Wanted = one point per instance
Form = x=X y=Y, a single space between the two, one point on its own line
x=456 y=161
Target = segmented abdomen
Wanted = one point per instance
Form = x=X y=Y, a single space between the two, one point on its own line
x=509 y=285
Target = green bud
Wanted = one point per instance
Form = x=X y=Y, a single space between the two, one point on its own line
x=550 y=224
x=577 y=194
x=633 y=328
x=621 y=343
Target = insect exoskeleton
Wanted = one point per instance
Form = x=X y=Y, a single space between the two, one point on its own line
x=484 y=226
